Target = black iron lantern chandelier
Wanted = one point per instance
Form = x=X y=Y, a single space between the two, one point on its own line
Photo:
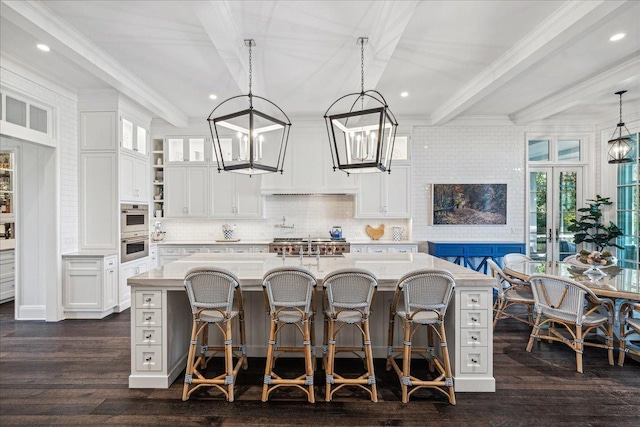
x=620 y=147
x=361 y=135
x=250 y=140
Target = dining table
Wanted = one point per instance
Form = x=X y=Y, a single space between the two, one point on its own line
x=614 y=282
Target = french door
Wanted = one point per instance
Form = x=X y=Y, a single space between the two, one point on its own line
x=554 y=195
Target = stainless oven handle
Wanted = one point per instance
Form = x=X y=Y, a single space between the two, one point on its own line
x=134 y=239
x=135 y=211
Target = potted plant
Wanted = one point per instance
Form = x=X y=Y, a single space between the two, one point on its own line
x=590 y=229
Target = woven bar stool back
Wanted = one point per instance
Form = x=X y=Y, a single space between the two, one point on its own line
x=511 y=292
x=568 y=311
x=289 y=295
x=421 y=300
x=348 y=298
x=629 y=325
x=216 y=300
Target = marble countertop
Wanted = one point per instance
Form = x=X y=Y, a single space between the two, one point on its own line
x=250 y=268
x=92 y=253
x=381 y=242
x=212 y=242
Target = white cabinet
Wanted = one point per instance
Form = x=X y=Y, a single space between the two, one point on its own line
x=7 y=275
x=127 y=270
x=473 y=315
x=384 y=248
x=170 y=253
x=383 y=195
x=234 y=195
x=308 y=166
x=134 y=137
x=98 y=130
x=186 y=191
x=191 y=149
x=99 y=207
x=153 y=257
x=134 y=179
x=89 y=285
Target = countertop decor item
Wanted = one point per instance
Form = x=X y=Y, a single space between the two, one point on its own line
x=361 y=129
x=253 y=139
x=227 y=230
x=374 y=233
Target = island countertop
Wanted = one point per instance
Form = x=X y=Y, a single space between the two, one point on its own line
x=250 y=268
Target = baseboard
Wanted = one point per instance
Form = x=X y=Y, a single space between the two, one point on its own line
x=31 y=312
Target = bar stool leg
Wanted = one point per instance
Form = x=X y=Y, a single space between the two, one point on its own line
x=371 y=376
x=447 y=365
x=269 y=363
x=406 y=362
x=191 y=355
x=307 y=356
x=331 y=354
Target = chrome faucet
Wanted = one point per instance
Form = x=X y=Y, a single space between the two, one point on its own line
x=284 y=224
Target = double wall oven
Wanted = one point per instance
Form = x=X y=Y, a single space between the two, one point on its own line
x=134 y=232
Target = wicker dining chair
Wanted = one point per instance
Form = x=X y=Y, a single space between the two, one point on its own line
x=511 y=292
x=515 y=257
x=565 y=303
x=629 y=324
x=216 y=300
x=348 y=296
x=290 y=297
x=421 y=299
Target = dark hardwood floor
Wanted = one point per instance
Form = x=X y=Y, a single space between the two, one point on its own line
x=76 y=372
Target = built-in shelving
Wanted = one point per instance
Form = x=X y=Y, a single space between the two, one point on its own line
x=6 y=187
x=157 y=179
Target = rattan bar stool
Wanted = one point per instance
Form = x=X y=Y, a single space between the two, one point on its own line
x=290 y=296
x=628 y=325
x=421 y=299
x=348 y=296
x=212 y=293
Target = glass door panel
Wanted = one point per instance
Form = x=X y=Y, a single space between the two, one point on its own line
x=554 y=193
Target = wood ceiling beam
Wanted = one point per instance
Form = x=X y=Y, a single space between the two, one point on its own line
x=607 y=82
x=39 y=20
x=566 y=23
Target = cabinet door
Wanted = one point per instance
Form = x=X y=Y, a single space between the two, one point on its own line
x=248 y=196
x=98 y=130
x=175 y=194
x=83 y=284
x=141 y=180
x=99 y=213
x=397 y=190
x=369 y=198
x=196 y=190
x=110 y=291
x=223 y=193
x=127 y=178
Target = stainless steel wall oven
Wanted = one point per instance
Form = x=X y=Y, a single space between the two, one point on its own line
x=134 y=232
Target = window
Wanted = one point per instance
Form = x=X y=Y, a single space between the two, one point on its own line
x=628 y=209
x=25 y=114
x=555 y=150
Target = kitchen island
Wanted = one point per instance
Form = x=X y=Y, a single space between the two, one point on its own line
x=161 y=315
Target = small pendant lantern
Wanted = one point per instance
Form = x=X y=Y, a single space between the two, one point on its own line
x=620 y=147
x=361 y=129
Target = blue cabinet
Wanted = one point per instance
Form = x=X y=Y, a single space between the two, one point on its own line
x=474 y=255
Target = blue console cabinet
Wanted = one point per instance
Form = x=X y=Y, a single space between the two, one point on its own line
x=474 y=255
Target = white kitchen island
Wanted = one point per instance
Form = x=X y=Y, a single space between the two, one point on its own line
x=161 y=315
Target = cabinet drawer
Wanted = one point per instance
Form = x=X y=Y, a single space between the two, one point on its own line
x=110 y=263
x=405 y=250
x=219 y=250
x=473 y=360
x=7 y=285
x=474 y=299
x=7 y=257
x=148 y=358
x=473 y=318
x=148 y=336
x=473 y=337
x=169 y=251
x=191 y=251
x=148 y=317
x=149 y=299
x=377 y=249
x=86 y=264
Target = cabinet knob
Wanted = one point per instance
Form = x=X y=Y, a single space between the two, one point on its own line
x=473 y=337
x=147 y=299
x=474 y=319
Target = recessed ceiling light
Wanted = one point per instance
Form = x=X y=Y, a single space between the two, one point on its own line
x=404 y=94
x=212 y=96
x=43 y=47
x=617 y=37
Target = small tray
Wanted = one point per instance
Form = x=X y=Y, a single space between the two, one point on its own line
x=227 y=240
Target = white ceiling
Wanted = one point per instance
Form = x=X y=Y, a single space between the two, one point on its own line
x=525 y=60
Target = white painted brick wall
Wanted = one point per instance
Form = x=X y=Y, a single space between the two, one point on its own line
x=469 y=155
x=66 y=132
x=311 y=215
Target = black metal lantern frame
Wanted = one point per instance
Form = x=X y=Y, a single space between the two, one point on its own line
x=620 y=147
x=361 y=140
x=249 y=141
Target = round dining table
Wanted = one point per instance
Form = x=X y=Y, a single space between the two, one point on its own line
x=617 y=282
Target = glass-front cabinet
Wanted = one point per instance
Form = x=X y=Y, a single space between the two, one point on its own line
x=181 y=149
x=134 y=137
x=6 y=188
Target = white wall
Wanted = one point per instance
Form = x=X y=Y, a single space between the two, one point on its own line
x=471 y=154
x=311 y=215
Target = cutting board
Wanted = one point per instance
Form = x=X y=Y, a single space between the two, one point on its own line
x=374 y=233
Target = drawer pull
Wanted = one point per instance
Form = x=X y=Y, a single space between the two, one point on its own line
x=148 y=299
x=147 y=318
x=474 y=300
x=473 y=337
x=474 y=319
x=147 y=359
x=474 y=361
x=148 y=337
